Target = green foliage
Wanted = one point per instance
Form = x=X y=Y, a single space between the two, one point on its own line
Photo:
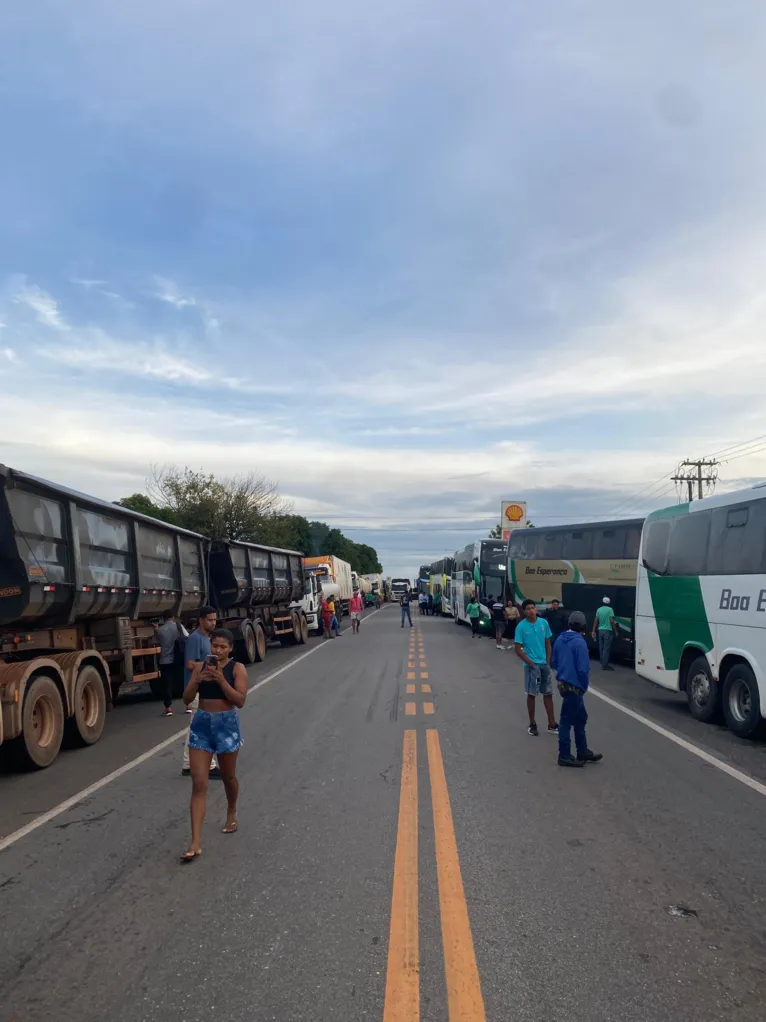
x=246 y=508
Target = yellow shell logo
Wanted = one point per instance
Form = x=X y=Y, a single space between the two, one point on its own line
x=514 y=513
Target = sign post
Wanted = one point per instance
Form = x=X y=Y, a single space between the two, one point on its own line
x=513 y=515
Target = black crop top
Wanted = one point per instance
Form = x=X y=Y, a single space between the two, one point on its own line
x=211 y=689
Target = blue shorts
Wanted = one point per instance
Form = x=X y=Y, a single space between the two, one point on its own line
x=537 y=680
x=215 y=732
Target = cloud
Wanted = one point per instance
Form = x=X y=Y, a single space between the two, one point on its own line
x=170 y=293
x=9 y=354
x=42 y=304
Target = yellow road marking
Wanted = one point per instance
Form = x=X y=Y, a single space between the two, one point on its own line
x=423 y=663
x=411 y=689
x=464 y=998
x=424 y=674
x=410 y=675
x=410 y=709
x=402 y=977
x=428 y=708
x=425 y=688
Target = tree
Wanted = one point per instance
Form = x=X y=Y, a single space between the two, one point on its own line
x=143 y=505
x=230 y=508
x=496 y=532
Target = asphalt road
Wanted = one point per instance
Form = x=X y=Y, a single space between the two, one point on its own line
x=401 y=854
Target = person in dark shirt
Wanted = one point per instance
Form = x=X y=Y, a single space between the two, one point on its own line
x=497 y=609
x=557 y=619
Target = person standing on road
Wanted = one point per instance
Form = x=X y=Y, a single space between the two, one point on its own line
x=498 y=619
x=437 y=608
x=532 y=643
x=605 y=629
x=219 y=686
x=422 y=603
x=356 y=607
x=334 y=626
x=473 y=610
x=327 y=616
x=511 y=620
x=571 y=662
x=557 y=618
x=430 y=609
x=404 y=603
x=171 y=638
x=197 y=648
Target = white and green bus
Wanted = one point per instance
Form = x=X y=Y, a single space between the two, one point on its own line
x=701 y=606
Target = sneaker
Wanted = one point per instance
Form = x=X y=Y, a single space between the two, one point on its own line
x=590 y=757
x=189 y=709
x=186 y=772
x=532 y=730
x=607 y=668
x=570 y=761
x=167 y=712
x=498 y=646
x=553 y=729
x=215 y=772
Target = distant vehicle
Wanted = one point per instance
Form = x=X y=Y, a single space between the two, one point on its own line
x=579 y=565
x=440 y=578
x=480 y=568
x=701 y=613
x=375 y=595
x=335 y=577
x=399 y=586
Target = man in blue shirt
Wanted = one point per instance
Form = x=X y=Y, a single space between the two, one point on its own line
x=197 y=648
x=571 y=663
x=532 y=643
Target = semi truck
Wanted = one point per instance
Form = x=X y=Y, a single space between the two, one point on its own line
x=83 y=584
x=375 y=594
x=335 y=578
x=257 y=592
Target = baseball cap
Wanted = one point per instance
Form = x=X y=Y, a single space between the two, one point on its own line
x=577 y=618
x=607 y=600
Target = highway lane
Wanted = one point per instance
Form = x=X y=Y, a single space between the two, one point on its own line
x=405 y=850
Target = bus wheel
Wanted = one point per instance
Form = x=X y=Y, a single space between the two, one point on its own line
x=703 y=692
x=89 y=705
x=42 y=724
x=741 y=702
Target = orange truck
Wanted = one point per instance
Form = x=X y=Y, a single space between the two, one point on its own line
x=334 y=575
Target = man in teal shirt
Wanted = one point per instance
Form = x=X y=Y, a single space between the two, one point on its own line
x=532 y=643
x=606 y=628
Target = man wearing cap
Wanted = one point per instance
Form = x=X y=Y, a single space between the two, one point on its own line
x=571 y=663
x=604 y=630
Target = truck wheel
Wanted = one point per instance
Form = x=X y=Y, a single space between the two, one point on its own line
x=89 y=705
x=703 y=692
x=304 y=631
x=260 y=643
x=742 y=702
x=246 y=647
x=42 y=725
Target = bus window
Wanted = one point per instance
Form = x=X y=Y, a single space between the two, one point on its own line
x=577 y=544
x=738 y=540
x=608 y=543
x=632 y=542
x=689 y=544
x=656 y=537
x=551 y=546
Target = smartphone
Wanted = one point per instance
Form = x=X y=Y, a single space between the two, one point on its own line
x=211 y=660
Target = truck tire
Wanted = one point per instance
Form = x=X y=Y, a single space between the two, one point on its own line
x=703 y=692
x=303 y=635
x=247 y=649
x=89 y=705
x=42 y=725
x=260 y=643
x=742 y=702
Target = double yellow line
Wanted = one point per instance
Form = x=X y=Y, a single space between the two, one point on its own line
x=464 y=997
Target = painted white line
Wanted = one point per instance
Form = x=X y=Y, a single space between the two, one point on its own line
x=68 y=803
x=695 y=750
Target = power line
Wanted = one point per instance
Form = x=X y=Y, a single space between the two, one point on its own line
x=694 y=475
x=734 y=447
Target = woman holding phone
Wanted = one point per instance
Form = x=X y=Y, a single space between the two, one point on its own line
x=221 y=685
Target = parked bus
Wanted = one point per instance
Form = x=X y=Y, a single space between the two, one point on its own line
x=579 y=565
x=481 y=569
x=701 y=618
x=441 y=582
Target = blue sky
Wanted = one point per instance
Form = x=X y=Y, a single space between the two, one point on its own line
x=407 y=261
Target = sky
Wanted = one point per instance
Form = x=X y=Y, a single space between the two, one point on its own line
x=408 y=260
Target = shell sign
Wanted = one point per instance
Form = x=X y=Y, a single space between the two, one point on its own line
x=513 y=515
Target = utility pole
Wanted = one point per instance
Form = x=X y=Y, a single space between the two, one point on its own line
x=697 y=472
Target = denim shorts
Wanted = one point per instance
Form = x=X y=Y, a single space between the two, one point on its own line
x=537 y=680
x=215 y=732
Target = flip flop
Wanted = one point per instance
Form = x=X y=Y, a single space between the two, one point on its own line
x=230 y=828
x=190 y=856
